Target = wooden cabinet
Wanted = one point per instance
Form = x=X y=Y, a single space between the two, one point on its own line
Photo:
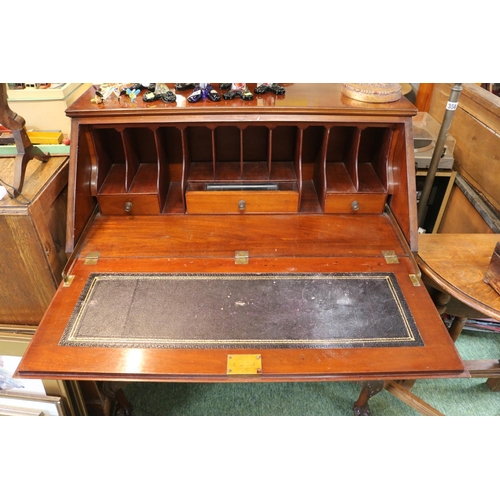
x=32 y=239
x=309 y=185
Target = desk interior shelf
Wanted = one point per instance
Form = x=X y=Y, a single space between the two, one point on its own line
x=161 y=169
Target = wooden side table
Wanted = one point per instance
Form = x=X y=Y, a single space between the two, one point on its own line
x=453 y=267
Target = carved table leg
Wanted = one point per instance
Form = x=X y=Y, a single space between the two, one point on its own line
x=114 y=390
x=368 y=389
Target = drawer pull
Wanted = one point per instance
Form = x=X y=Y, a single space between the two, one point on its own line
x=355 y=205
x=242 y=205
x=128 y=207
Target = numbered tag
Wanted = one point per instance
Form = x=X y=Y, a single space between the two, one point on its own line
x=451 y=106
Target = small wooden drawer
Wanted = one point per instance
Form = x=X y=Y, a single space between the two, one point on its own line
x=234 y=202
x=129 y=204
x=352 y=203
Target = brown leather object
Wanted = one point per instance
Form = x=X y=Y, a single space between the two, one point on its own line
x=242 y=311
x=492 y=276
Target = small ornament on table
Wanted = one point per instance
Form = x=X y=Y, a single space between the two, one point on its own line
x=276 y=88
x=101 y=94
x=204 y=91
x=238 y=90
x=136 y=86
x=98 y=98
x=185 y=86
x=133 y=94
x=160 y=91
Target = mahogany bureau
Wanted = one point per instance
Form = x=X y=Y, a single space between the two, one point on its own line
x=253 y=241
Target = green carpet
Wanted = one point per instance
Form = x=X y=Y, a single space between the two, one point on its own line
x=453 y=397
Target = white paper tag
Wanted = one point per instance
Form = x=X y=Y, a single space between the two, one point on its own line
x=451 y=106
x=3 y=192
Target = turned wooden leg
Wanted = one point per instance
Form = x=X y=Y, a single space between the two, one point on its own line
x=368 y=389
x=456 y=327
x=114 y=390
x=441 y=300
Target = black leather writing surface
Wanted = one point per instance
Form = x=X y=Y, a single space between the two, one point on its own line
x=337 y=310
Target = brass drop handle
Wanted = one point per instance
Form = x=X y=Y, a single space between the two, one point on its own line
x=242 y=205
x=355 y=205
x=128 y=207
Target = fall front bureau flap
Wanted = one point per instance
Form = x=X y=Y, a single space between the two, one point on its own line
x=170 y=298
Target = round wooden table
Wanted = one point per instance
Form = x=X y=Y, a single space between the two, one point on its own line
x=453 y=267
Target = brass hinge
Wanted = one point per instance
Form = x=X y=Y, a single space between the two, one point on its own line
x=244 y=364
x=67 y=280
x=414 y=279
x=390 y=256
x=241 y=257
x=91 y=259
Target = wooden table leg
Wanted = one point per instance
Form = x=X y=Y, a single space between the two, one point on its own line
x=457 y=325
x=368 y=389
x=493 y=384
x=114 y=390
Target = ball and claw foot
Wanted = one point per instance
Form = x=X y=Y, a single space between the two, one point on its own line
x=368 y=389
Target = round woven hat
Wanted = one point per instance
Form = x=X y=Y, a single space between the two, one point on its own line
x=372 y=92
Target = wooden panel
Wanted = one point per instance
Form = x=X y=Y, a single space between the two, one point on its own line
x=27 y=283
x=209 y=237
x=476 y=128
x=460 y=216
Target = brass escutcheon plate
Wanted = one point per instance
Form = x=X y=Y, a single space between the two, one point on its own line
x=244 y=364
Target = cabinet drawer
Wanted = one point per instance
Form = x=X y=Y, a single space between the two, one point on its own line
x=363 y=203
x=129 y=204
x=213 y=202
